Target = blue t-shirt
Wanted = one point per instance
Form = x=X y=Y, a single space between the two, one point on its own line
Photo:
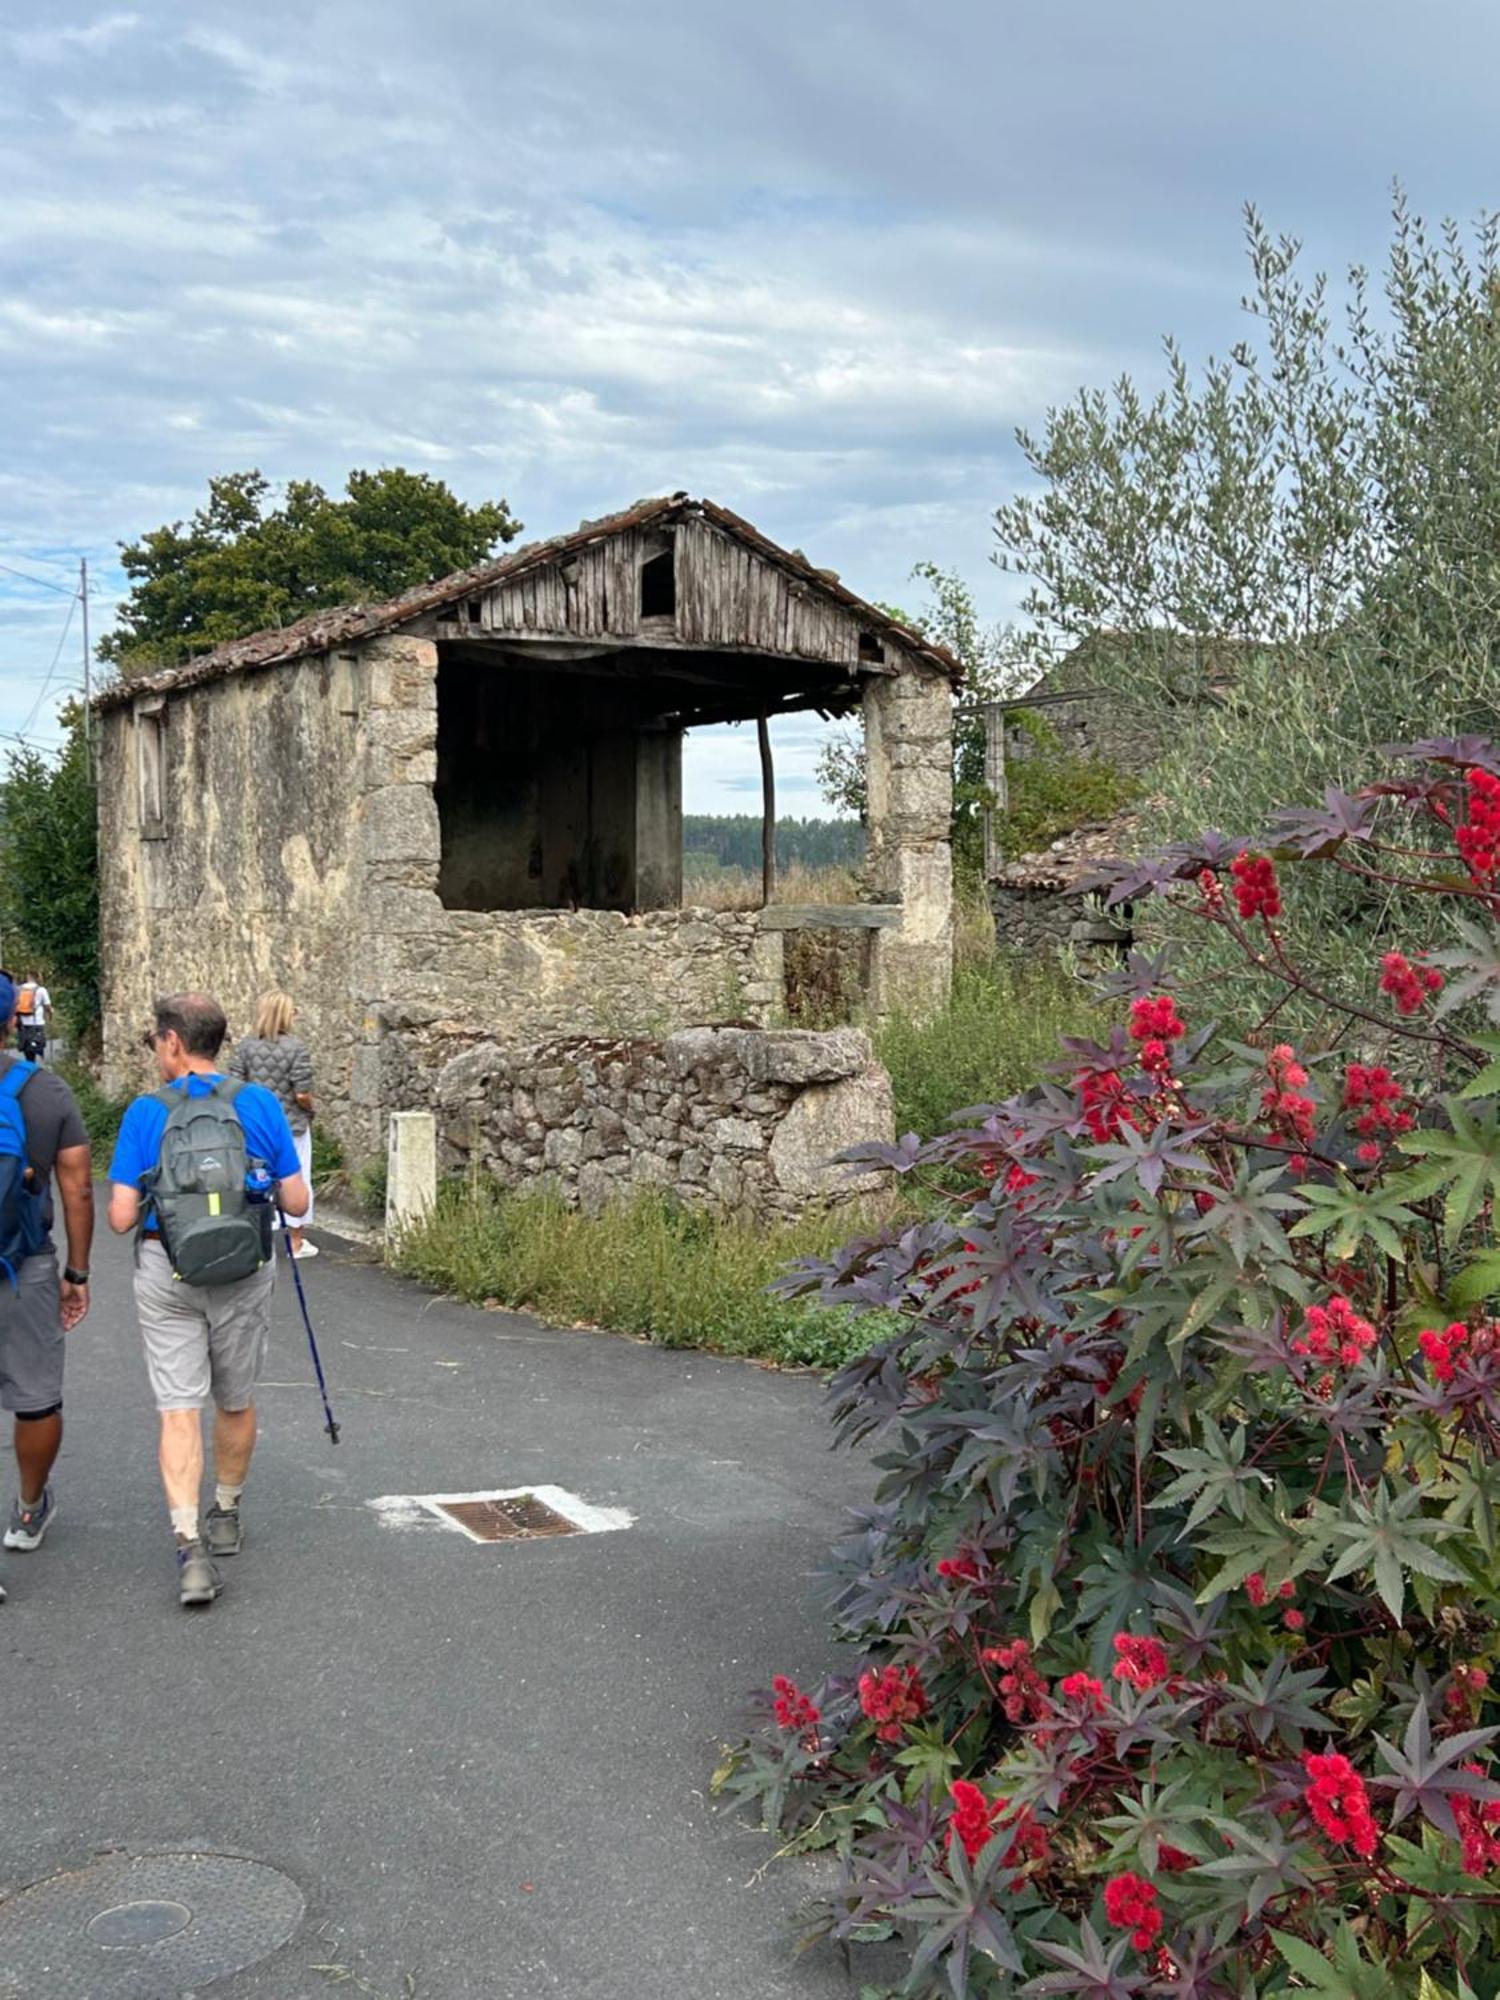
x=268 y=1137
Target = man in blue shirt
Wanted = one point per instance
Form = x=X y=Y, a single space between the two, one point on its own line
x=203 y=1342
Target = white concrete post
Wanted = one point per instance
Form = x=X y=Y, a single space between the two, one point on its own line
x=411 y=1170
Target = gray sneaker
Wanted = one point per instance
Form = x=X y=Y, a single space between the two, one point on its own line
x=197 y=1579
x=222 y=1531
x=29 y=1524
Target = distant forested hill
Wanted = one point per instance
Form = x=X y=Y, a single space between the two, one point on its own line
x=732 y=840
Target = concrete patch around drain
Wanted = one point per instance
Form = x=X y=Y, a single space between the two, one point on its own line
x=143 y=1926
x=509 y=1514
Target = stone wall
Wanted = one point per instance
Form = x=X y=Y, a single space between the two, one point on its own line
x=300 y=848
x=731 y=1118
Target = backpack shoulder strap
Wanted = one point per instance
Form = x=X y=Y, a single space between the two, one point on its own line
x=16 y=1078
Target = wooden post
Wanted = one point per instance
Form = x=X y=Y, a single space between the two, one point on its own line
x=994 y=783
x=768 y=810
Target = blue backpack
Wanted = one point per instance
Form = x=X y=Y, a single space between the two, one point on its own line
x=23 y=1225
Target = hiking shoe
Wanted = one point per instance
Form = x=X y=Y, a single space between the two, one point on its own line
x=307 y=1250
x=29 y=1524
x=222 y=1531
x=197 y=1579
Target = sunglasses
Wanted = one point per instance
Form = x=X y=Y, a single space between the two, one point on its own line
x=148 y=1040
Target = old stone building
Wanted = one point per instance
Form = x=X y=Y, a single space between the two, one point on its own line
x=453 y=822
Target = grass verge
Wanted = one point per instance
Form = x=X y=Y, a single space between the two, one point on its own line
x=647 y=1266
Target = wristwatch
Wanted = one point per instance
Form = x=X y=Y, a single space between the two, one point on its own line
x=72 y=1277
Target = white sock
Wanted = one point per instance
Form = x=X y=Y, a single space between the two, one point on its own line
x=227 y=1497
x=185 y=1523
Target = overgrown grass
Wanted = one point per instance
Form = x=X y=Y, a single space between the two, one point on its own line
x=677 y=1276
x=740 y=888
x=999 y=1030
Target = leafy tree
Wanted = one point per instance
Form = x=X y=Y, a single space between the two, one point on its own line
x=993 y=668
x=1176 y=1608
x=1295 y=553
x=242 y=564
x=49 y=876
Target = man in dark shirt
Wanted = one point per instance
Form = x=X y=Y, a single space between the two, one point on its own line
x=42 y=1305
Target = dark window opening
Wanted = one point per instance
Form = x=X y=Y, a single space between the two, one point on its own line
x=553 y=791
x=870 y=648
x=473 y=609
x=659 y=586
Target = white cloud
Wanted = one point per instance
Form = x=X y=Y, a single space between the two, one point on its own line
x=57 y=44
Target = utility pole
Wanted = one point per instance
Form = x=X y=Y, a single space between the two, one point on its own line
x=88 y=667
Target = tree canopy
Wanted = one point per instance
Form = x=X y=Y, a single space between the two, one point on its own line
x=245 y=562
x=49 y=872
x=1295 y=551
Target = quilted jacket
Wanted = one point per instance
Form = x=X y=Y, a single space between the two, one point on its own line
x=283 y=1066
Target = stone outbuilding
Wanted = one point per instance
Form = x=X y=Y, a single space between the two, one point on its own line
x=454 y=819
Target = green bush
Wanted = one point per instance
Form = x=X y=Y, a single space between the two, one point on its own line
x=1051 y=795
x=101 y=1114
x=369 y=1187
x=649 y=1267
x=1000 y=1027
x=327 y=1157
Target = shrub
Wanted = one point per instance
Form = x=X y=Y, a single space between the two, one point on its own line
x=1176 y=1604
x=101 y=1114
x=678 y=1276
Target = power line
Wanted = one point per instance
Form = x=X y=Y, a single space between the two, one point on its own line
x=61 y=642
x=43 y=582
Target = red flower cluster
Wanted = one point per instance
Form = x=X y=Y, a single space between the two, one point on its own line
x=1212 y=890
x=1335 y=1332
x=1441 y=1349
x=1477 y=1820
x=973 y=1817
x=1018 y=1180
x=1337 y=1799
x=959 y=1569
x=1023 y=1692
x=891 y=1699
x=1130 y=1904
x=1468 y=1686
x=1284 y=1102
x=793 y=1709
x=1172 y=1860
x=1084 y=1692
x=1480 y=838
x=1257 y=1591
x=1155 y=1024
x=1106 y=1103
x=1256 y=890
x=1372 y=1092
x=1408 y=984
x=1142 y=1662
x=976 y=1820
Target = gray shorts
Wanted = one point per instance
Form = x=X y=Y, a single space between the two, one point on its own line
x=31 y=1338
x=203 y=1342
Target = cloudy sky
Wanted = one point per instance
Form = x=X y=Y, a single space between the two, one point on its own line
x=815 y=260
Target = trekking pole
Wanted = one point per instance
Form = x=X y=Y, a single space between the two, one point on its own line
x=286 y=1236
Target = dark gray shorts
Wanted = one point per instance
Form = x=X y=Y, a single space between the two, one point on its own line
x=203 y=1342
x=31 y=1337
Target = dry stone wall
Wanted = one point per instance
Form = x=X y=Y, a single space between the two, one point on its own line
x=731 y=1118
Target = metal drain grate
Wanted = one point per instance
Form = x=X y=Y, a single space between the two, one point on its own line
x=143 y=1927
x=507 y=1517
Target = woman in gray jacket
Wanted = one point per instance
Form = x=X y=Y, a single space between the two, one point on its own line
x=277 y=1058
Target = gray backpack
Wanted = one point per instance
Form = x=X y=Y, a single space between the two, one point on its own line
x=210 y=1230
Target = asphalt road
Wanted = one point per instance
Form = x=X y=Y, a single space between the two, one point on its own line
x=483 y=1765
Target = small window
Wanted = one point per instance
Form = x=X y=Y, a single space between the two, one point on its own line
x=659 y=586
x=151 y=767
x=870 y=648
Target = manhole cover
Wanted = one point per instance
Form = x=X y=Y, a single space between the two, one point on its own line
x=507 y=1517
x=143 y=1926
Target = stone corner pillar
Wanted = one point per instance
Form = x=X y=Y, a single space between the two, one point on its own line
x=909 y=775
